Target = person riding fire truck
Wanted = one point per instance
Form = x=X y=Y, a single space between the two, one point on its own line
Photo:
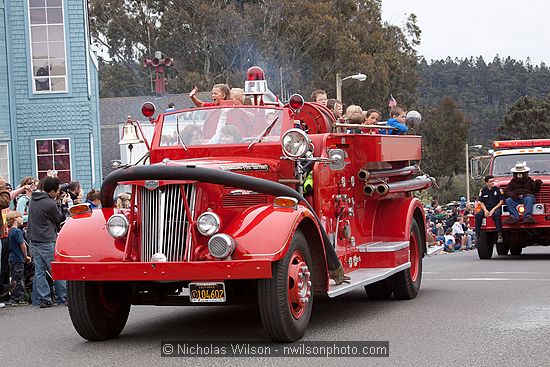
x=215 y=220
x=521 y=170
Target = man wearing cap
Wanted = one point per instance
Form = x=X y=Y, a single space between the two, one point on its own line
x=520 y=190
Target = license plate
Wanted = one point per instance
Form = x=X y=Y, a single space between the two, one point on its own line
x=207 y=292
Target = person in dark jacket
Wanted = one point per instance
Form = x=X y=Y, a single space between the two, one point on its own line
x=520 y=190
x=45 y=216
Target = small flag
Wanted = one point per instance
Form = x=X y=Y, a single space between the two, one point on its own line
x=392 y=102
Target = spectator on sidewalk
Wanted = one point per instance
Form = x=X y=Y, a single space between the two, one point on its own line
x=18 y=257
x=45 y=215
x=5 y=199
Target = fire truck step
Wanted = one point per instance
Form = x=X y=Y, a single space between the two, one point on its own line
x=383 y=246
x=362 y=277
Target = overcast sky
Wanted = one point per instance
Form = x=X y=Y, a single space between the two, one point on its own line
x=463 y=28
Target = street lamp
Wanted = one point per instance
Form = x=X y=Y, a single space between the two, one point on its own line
x=479 y=146
x=360 y=77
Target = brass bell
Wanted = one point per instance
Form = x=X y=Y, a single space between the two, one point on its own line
x=130 y=134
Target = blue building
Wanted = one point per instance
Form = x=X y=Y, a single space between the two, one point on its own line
x=49 y=95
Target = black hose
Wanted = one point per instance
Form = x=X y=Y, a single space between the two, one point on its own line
x=213 y=176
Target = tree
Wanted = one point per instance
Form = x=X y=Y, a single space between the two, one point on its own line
x=444 y=133
x=528 y=118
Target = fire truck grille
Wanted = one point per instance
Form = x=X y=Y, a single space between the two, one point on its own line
x=542 y=197
x=164 y=223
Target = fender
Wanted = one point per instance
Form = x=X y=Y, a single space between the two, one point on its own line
x=393 y=219
x=84 y=238
x=266 y=232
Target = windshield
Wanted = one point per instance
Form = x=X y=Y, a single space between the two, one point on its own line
x=538 y=163
x=236 y=125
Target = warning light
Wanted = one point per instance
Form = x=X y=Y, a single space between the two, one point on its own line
x=296 y=102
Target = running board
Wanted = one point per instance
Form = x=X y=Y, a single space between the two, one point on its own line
x=434 y=250
x=362 y=277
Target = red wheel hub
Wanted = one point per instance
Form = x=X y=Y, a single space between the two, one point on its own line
x=299 y=284
x=109 y=303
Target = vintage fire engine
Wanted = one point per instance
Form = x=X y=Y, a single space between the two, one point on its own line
x=258 y=203
x=536 y=154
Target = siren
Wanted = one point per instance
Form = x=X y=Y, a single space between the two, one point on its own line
x=255 y=81
x=146 y=63
x=155 y=62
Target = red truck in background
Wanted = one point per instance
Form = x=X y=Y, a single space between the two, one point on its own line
x=290 y=205
x=536 y=154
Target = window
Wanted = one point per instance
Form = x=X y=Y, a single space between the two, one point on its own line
x=47 y=34
x=54 y=155
x=4 y=162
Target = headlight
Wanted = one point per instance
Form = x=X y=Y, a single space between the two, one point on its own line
x=295 y=143
x=117 y=226
x=208 y=223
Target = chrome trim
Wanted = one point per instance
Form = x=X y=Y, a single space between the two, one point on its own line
x=164 y=223
x=383 y=246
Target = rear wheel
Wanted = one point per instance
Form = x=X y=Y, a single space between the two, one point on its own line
x=380 y=290
x=98 y=310
x=485 y=243
x=502 y=249
x=516 y=250
x=286 y=300
x=406 y=283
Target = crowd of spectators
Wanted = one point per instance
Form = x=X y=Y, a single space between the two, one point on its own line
x=32 y=215
x=449 y=227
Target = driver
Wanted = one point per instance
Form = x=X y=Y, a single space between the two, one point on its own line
x=520 y=190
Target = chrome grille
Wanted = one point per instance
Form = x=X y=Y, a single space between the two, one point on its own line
x=164 y=224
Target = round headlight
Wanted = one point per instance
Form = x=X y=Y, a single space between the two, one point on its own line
x=117 y=226
x=295 y=143
x=208 y=223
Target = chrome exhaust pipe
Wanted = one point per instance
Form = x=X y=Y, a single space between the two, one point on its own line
x=401 y=172
x=382 y=189
x=369 y=190
x=363 y=175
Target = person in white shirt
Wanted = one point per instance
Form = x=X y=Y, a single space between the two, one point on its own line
x=458 y=232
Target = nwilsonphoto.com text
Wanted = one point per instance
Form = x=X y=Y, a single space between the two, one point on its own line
x=298 y=349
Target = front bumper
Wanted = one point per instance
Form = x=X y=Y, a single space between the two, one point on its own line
x=168 y=271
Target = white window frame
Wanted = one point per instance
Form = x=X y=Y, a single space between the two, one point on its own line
x=54 y=138
x=33 y=77
x=8 y=174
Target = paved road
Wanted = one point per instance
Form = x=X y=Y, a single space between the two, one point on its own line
x=468 y=313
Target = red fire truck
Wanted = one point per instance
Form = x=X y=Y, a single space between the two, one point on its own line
x=536 y=154
x=263 y=203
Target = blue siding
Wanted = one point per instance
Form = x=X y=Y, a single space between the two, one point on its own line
x=4 y=88
x=73 y=115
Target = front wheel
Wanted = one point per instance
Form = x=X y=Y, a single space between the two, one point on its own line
x=97 y=309
x=406 y=283
x=485 y=243
x=286 y=300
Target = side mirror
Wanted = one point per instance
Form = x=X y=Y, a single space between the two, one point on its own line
x=337 y=159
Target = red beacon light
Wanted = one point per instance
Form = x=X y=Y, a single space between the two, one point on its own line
x=148 y=109
x=503 y=144
x=255 y=83
x=296 y=102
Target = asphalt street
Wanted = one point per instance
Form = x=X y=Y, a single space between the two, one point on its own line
x=468 y=313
